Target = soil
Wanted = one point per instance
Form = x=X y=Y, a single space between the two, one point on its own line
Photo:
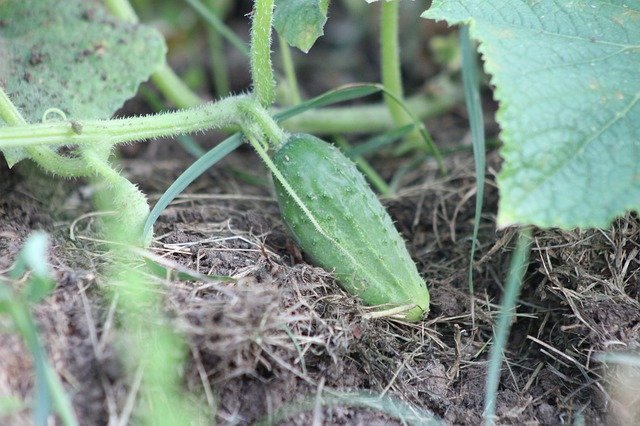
x=284 y=332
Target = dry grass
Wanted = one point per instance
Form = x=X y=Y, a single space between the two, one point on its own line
x=284 y=330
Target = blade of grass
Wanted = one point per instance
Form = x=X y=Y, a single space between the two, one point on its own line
x=623 y=358
x=370 y=173
x=517 y=268
x=218 y=59
x=341 y=94
x=474 y=108
x=201 y=165
x=372 y=118
x=216 y=23
x=289 y=68
x=380 y=141
x=49 y=392
x=394 y=408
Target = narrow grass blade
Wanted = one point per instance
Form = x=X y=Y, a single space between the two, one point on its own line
x=370 y=173
x=397 y=409
x=192 y=173
x=380 y=141
x=219 y=26
x=49 y=392
x=517 y=268
x=340 y=94
x=623 y=358
x=191 y=146
x=422 y=130
x=476 y=122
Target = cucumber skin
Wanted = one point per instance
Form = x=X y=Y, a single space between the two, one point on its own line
x=358 y=242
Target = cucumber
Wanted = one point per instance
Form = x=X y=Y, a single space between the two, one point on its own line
x=341 y=225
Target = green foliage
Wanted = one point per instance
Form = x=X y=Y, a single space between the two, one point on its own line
x=565 y=76
x=48 y=392
x=71 y=55
x=300 y=22
x=339 y=222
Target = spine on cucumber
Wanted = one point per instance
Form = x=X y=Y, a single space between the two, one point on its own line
x=341 y=225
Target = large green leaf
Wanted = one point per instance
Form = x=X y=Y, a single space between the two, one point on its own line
x=300 y=22
x=567 y=78
x=71 y=55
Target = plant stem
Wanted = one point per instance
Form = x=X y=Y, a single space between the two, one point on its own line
x=208 y=116
x=121 y=196
x=123 y=10
x=289 y=72
x=260 y=116
x=43 y=156
x=174 y=88
x=261 y=69
x=390 y=60
x=371 y=118
x=8 y=111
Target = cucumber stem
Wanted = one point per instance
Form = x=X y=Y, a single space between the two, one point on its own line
x=390 y=60
x=259 y=116
x=209 y=116
x=264 y=84
x=167 y=81
x=46 y=158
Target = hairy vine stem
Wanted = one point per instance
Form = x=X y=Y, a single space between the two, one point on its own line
x=390 y=60
x=264 y=84
x=209 y=116
x=259 y=116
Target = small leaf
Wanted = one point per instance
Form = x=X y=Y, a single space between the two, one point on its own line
x=566 y=78
x=71 y=55
x=300 y=22
x=33 y=257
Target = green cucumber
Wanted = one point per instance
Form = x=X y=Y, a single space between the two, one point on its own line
x=341 y=225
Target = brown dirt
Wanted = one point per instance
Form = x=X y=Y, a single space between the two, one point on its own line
x=284 y=330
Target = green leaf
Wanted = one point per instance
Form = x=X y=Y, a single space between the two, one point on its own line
x=71 y=55
x=566 y=77
x=300 y=22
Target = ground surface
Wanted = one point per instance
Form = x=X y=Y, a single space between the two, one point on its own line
x=284 y=332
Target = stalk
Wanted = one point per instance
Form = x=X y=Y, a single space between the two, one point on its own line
x=390 y=60
x=171 y=86
x=261 y=118
x=264 y=84
x=116 y=131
